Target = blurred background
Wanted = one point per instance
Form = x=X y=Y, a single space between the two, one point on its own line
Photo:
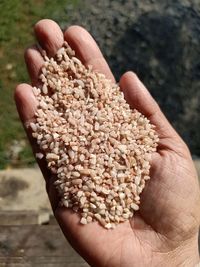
x=159 y=40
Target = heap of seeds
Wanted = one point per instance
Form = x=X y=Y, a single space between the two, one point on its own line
x=97 y=147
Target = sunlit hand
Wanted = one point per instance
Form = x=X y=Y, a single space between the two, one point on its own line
x=165 y=230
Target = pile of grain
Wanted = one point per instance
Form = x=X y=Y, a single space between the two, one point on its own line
x=96 y=145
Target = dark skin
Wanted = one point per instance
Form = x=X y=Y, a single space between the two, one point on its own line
x=165 y=230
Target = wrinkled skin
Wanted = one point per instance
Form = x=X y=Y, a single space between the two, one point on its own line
x=165 y=230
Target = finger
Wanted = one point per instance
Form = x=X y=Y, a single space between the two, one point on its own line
x=139 y=98
x=26 y=104
x=34 y=62
x=87 y=50
x=49 y=36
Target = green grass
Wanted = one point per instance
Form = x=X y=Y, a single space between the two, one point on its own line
x=17 y=18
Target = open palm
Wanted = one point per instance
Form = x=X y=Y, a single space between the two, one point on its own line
x=165 y=230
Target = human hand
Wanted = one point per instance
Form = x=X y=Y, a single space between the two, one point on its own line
x=164 y=232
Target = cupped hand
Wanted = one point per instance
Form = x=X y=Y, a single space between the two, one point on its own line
x=164 y=232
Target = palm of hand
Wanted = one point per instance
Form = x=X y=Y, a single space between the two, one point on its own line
x=169 y=212
x=167 y=219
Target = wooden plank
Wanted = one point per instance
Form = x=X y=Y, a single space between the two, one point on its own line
x=37 y=245
x=18 y=217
